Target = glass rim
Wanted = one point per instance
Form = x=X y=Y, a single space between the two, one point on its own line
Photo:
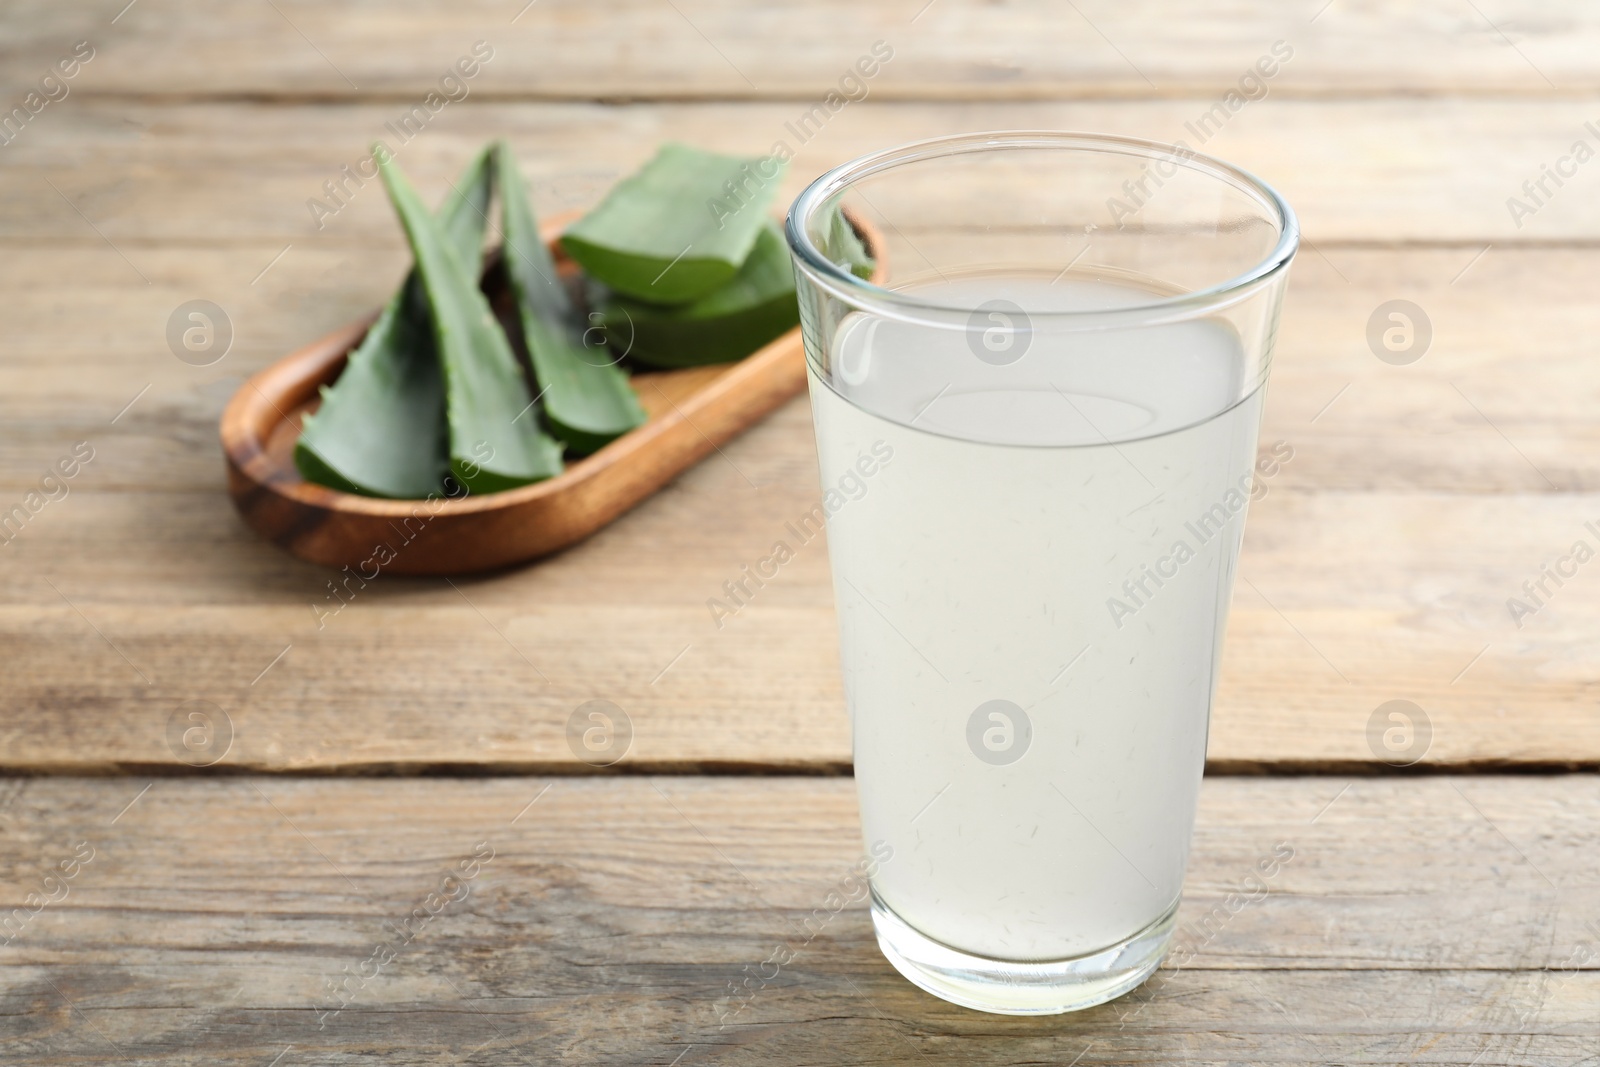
x=897 y=304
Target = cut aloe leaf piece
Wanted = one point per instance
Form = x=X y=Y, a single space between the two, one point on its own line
x=843 y=246
x=587 y=399
x=495 y=440
x=677 y=228
x=380 y=429
x=756 y=306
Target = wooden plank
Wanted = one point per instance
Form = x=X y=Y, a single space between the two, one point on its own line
x=1384 y=543
x=703 y=48
x=1439 y=921
x=1373 y=171
x=1346 y=601
x=1502 y=400
x=1412 y=568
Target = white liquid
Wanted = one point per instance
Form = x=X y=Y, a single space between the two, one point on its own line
x=978 y=564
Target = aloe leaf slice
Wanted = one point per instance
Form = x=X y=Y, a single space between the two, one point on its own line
x=380 y=430
x=844 y=247
x=735 y=320
x=587 y=399
x=495 y=440
x=678 y=227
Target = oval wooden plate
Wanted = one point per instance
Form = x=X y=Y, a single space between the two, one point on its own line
x=692 y=412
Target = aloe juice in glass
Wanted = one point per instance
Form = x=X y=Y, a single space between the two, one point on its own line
x=1067 y=376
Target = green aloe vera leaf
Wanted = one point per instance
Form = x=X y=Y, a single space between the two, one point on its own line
x=587 y=399
x=380 y=430
x=756 y=306
x=678 y=227
x=843 y=246
x=495 y=440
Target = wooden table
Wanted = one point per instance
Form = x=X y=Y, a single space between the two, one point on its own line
x=1446 y=914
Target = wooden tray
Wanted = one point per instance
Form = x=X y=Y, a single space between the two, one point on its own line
x=692 y=412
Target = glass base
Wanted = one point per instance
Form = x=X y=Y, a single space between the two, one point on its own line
x=1009 y=987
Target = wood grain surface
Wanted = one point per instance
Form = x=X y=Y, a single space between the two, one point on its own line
x=1419 y=499
x=185 y=725
x=1438 y=921
x=155 y=178
x=695 y=49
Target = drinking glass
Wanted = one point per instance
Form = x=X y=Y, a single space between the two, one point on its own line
x=1037 y=448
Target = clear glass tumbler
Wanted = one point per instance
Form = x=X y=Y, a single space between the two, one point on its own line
x=1037 y=448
